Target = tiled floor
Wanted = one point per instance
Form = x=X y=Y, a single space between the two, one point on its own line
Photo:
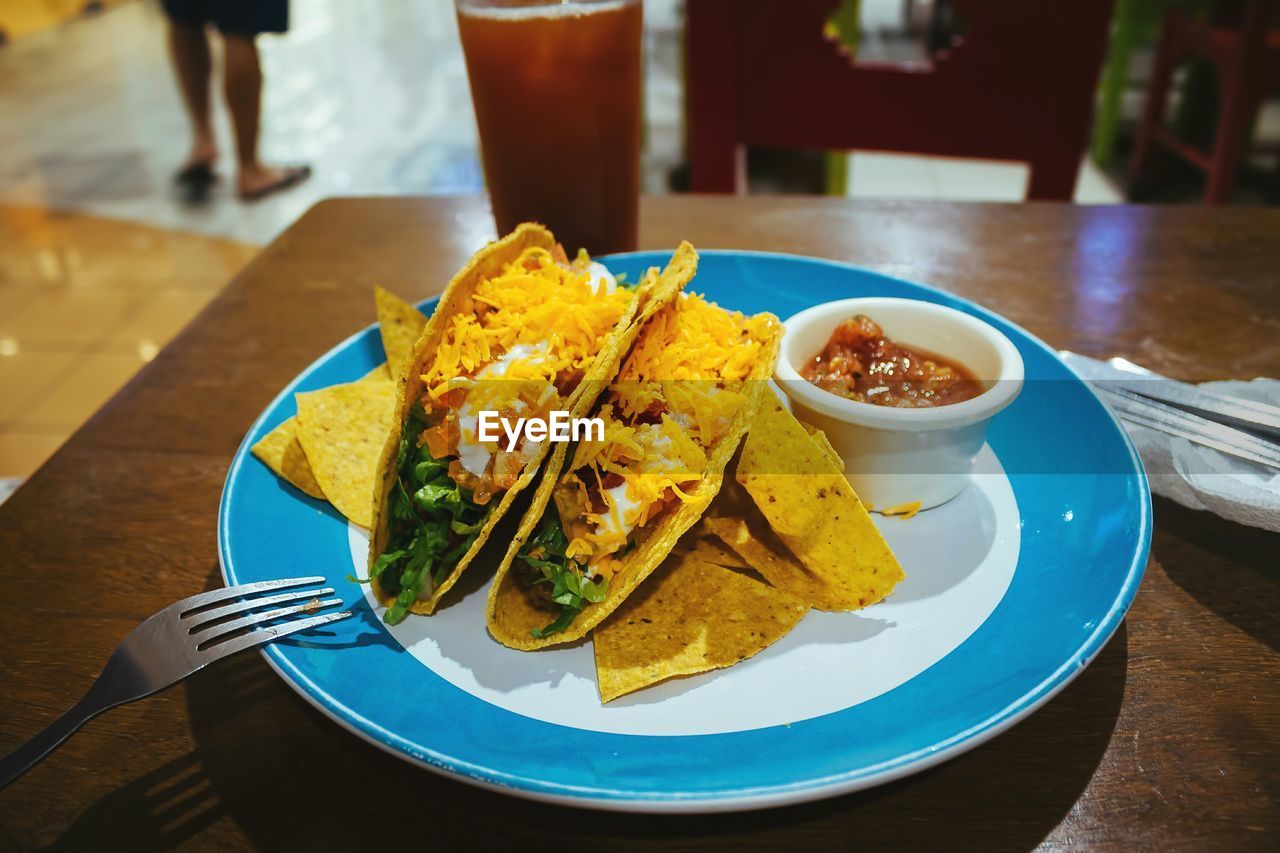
x=84 y=303
x=373 y=96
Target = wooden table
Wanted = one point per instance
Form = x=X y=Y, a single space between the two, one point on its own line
x=1169 y=740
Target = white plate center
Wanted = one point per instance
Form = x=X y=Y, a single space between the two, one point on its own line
x=959 y=559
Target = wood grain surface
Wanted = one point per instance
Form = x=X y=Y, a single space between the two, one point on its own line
x=1168 y=741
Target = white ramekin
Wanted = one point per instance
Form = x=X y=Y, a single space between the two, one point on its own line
x=897 y=456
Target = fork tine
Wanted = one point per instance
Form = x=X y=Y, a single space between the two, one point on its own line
x=201 y=620
x=271 y=615
x=213 y=596
x=272 y=632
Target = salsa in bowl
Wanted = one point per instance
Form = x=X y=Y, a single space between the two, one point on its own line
x=904 y=390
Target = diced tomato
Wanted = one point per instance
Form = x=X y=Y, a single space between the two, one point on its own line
x=440 y=440
x=506 y=469
x=453 y=399
x=460 y=475
x=481 y=488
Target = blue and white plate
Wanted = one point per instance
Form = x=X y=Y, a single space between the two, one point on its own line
x=1011 y=590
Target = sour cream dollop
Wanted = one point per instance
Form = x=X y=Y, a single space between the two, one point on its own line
x=623 y=521
x=601 y=280
x=474 y=455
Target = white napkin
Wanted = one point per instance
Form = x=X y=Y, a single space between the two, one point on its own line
x=1202 y=478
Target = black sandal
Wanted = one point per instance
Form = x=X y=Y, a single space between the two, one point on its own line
x=195 y=175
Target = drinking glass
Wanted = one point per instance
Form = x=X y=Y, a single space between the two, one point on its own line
x=556 y=89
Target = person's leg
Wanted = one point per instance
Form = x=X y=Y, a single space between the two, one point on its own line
x=243 y=85
x=192 y=64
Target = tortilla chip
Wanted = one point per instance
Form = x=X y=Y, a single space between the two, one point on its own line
x=761 y=549
x=701 y=543
x=400 y=324
x=378 y=374
x=690 y=616
x=813 y=509
x=824 y=444
x=343 y=431
x=733 y=500
x=282 y=453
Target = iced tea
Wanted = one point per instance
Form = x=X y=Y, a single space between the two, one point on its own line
x=556 y=88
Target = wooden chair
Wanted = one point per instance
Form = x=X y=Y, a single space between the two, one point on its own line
x=1237 y=43
x=1017 y=85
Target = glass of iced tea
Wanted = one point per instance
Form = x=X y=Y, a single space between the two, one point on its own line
x=556 y=89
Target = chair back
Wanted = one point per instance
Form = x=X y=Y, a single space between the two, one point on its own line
x=1017 y=84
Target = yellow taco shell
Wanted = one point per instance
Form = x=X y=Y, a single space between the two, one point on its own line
x=512 y=616
x=486 y=263
x=690 y=617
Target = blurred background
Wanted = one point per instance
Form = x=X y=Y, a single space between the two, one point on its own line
x=104 y=257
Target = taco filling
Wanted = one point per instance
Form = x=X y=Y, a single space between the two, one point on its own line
x=520 y=351
x=674 y=399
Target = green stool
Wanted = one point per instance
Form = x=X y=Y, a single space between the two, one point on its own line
x=1134 y=22
x=843 y=27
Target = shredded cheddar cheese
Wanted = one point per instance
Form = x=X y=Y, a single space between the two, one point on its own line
x=579 y=547
x=696 y=339
x=903 y=511
x=676 y=395
x=552 y=308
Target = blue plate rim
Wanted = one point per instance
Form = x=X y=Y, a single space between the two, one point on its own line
x=748 y=797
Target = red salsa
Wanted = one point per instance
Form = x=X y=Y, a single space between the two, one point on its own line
x=861 y=364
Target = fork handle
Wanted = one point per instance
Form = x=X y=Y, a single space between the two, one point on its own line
x=29 y=754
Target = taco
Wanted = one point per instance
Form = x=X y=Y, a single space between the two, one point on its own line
x=522 y=330
x=607 y=513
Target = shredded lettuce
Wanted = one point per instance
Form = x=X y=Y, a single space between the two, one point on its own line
x=434 y=522
x=569 y=589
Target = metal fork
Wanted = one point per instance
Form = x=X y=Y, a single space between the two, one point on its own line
x=172 y=644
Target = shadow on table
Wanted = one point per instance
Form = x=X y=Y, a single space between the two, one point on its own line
x=158 y=811
x=1229 y=568
x=288 y=777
